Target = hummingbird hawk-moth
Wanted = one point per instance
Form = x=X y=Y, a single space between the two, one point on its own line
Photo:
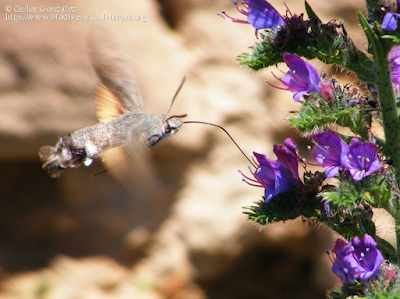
x=119 y=111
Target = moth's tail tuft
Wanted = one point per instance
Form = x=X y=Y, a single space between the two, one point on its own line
x=63 y=155
x=52 y=160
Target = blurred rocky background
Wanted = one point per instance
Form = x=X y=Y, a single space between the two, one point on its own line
x=181 y=233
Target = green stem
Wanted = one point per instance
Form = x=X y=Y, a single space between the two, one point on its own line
x=391 y=124
x=383 y=81
x=387 y=100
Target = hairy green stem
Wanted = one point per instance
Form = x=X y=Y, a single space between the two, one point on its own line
x=389 y=112
x=391 y=124
x=392 y=132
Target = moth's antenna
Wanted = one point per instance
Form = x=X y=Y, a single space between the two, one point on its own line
x=226 y=132
x=176 y=94
x=176 y=116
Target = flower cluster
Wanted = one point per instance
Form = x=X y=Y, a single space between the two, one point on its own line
x=303 y=79
x=354 y=158
x=358 y=158
x=358 y=259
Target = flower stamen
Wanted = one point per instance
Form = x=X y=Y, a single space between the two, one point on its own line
x=228 y=18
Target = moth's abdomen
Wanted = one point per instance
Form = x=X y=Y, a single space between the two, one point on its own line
x=98 y=138
x=81 y=147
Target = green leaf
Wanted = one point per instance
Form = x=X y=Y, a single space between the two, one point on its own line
x=281 y=207
x=374 y=44
x=311 y=14
x=320 y=115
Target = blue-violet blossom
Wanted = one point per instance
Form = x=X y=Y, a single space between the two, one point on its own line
x=389 y=22
x=362 y=159
x=302 y=78
x=260 y=14
x=277 y=176
x=330 y=151
x=358 y=259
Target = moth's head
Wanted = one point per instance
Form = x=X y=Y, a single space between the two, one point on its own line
x=168 y=127
x=172 y=125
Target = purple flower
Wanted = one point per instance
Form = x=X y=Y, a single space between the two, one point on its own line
x=302 y=78
x=269 y=176
x=389 y=22
x=344 y=265
x=394 y=62
x=332 y=153
x=291 y=146
x=329 y=152
x=367 y=255
x=277 y=176
x=288 y=159
x=260 y=14
x=358 y=259
x=362 y=159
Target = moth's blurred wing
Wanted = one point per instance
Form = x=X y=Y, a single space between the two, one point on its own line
x=133 y=169
x=107 y=104
x=130 y=163
x=112 y=66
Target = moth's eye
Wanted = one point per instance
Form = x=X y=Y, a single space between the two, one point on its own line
x=167 y=129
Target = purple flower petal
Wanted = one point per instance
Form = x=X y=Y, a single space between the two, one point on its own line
x=362 y=159
x=344 y=264
x=329 y=152
x=265 y=174
x=262 y=15
x=290 y=144
x=367 y=255
x=288 y=159
x=389 y=22
x=302 y=78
